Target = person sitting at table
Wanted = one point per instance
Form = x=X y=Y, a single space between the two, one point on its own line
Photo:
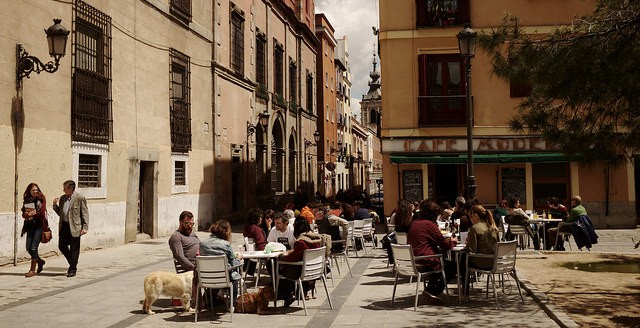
x=267 y=221
x=517 y=216
x=402 y=219
x=306 y=239
x=447 y=211
x=459 y=213
x=253 y=230
x=556 y=211
x=425 y=238
x=219 y=243
x=282 y=232
x=328 y=223
x=482 y=239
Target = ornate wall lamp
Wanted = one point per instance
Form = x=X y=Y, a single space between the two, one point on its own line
x=316 y=138
x=264 y=121
x=57 y=39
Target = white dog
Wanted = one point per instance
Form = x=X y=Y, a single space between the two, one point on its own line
x=169 y=284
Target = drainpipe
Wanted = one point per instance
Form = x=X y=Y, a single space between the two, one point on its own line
x=606 y=190
x=17 y=120
x=214 y=5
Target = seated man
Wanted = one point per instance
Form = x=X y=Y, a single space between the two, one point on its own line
x=185 y=245
x=557 y=211
x=282 y=232
x=330 y=224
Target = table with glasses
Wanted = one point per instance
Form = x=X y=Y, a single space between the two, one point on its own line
x=265 y=256
x=543 y=222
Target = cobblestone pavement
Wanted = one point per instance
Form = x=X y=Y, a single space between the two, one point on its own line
x=107 y=292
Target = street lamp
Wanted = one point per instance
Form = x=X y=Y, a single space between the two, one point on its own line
x=467 y=45
x=57 y=39
x=263 y=118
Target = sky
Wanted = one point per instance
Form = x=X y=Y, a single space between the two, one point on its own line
x=354 y=18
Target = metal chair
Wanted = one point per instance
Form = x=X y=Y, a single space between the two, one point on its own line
x=334 y=255
x=504 y=262
x=313 y=268
x=368 y=232
x=213 y=273
x=405 y=265
x=358 y=227
x=562 y=234
x=520 y=232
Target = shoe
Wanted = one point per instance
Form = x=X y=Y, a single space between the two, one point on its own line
x=30 y=274
x=432 y=300
x=289 y=301
x=560 y=249
x=41 y=263
x=71 y=274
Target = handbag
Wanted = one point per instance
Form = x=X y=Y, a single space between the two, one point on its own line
x=47 y=235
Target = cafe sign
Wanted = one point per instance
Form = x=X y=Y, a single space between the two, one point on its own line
x=456 y=145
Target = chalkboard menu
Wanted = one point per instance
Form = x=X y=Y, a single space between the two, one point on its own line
x=412 y=185
x=514 y=183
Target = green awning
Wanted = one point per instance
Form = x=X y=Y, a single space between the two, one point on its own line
x=483 y=158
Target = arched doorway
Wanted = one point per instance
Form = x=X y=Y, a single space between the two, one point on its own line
x=277 y=156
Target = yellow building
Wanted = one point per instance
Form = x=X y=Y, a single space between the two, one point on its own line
x=425 y=115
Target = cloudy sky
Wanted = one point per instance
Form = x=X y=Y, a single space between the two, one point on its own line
x=354 y=18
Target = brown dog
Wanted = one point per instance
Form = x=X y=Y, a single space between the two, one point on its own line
x=167 y=283
x=255 y=302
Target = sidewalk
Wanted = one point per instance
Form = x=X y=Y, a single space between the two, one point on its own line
x=107 y=292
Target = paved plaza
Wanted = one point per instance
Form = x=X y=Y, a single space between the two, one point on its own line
x=107 y=292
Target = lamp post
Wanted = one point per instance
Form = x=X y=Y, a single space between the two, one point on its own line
x=467 y=45
x=26 y=64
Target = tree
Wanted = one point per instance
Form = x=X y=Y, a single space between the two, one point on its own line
x=585 y=80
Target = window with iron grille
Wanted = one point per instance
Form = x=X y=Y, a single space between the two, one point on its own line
x=442 y=12
x=181 y=9
x=309 y=92
x=237 y=42
x=179 y=173
x=91 y=115
x=293 y=81
x=180 y=112
x=89 y=171
x=278 y=67
x=261 y=58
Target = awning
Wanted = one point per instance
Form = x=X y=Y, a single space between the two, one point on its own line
x=483 y=158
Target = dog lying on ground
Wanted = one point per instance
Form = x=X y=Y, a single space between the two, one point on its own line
x=255 y=302
x=169 y=284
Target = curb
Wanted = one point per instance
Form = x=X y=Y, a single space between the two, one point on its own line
x=560 y=317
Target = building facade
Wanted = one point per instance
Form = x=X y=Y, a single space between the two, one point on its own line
x=157 y=108
x=424 y=126
x=371 y=114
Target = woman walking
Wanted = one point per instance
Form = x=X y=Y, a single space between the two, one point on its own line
x=34 y=212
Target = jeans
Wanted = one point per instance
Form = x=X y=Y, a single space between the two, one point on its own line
x=33 y=242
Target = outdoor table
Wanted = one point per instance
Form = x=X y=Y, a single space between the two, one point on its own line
x=544 y=222
x=261 y=255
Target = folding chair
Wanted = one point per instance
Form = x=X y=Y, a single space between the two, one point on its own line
x=213 y=273
x=504 y=262
x=405 y=265
x=313 y=268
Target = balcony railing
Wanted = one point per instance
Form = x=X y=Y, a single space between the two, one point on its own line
x=442 y=13
x=443 y=110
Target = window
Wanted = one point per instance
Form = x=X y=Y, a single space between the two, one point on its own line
x=180 y=163
x=442 y=97
x=179 y=176
x=442 y=12
x=261 y=58
x=237 y=40
x=91 y=116
x=309 y=92
x=278 y=68
x=180 y=115
x=293 y=82
x=88 y=171
x=181 y=9
x=518 y=88
x=90 y=168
